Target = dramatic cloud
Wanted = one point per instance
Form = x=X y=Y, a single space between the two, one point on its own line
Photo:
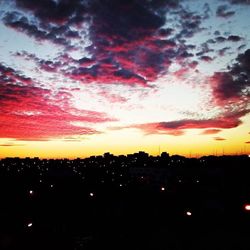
x=233 y=85
x=45 y=65
x=129 y=42
x=29 y=112
x=9 y=75
x=230 y=120
x=56 y=34
x=57 y=12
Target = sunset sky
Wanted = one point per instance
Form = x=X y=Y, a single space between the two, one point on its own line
x=80 y=78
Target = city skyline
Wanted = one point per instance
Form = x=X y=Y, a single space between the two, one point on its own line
x=81 y=78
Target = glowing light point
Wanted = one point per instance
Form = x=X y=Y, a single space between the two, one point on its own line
x=31 y=192
x=188 y=213
x=30 y=225
x=247 y=207
x=91 y=194
x=51 y=185
x=162 y=188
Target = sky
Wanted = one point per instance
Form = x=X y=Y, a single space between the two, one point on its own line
x=84 y=77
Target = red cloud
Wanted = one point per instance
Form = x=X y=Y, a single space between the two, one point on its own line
x=230 y=120
x=224 y=88
x=28 y=114
x=210 y=131
x=113 y=98
x=33 y=113
x=128 y=42
x=231 y=86
x=8 y=74
x=219 y=139
x=106 y=74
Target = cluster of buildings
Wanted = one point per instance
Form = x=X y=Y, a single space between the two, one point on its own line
x=81 y=198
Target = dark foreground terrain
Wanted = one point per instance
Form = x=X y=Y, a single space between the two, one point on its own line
x=125 y=202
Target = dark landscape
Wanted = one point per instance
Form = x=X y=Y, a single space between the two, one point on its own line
x=125 y=202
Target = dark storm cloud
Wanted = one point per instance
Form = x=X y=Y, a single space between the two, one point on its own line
x=122 y=18
x=220 y=39
x=230 y=38
x=131 y=32
x=234 y=84
x=16 y=21
x=85 y=61
x=9 y=75
x=46 y=65
x=205 y=48
x=223 y=11
x=240 y=1
x=234 y=38
x=105 y=73
x=129 y=41
x=190 y=23
x=130 y=35
x=56 y=34
x=53 y=11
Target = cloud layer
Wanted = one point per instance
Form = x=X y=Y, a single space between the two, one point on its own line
x=29 y=112
x=121 y=52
